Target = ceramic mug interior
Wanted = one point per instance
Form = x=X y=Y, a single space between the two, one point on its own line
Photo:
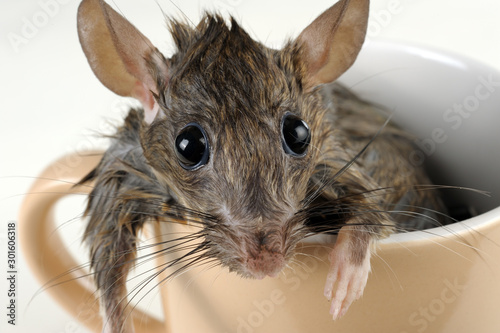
x=451 y=103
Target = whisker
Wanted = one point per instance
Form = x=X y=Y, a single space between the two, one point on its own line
x=143 y=284
x=47 y=178
x=387 y=266
x=339 y=173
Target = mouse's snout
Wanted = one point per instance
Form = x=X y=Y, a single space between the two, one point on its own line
x=256 y=240
x=265 y=252
x=265 y=258
x=265 y=263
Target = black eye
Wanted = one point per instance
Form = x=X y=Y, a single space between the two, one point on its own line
x=296 y=135
x=191 y=147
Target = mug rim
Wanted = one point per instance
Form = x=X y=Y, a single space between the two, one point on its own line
x=483 y=220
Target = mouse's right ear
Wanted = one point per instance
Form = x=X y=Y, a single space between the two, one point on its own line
x=122 y=58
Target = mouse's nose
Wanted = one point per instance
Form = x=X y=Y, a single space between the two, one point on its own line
x=265 y=262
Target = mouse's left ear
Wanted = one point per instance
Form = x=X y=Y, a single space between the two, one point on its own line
x=331 y=43
x=122 y=58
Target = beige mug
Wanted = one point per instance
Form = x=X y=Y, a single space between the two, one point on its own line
x=445 y=279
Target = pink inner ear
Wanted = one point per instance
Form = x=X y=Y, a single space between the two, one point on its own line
x=332 y=42
x=134 y=48
x=144 y=95
x=120 y=55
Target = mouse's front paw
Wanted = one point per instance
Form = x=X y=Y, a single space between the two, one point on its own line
x=346 y=280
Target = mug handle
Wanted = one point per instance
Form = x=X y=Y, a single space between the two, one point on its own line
x=44 y=249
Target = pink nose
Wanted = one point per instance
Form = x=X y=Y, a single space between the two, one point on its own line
x=265 y=263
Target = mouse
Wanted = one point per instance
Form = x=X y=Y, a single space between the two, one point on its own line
x=259 y=148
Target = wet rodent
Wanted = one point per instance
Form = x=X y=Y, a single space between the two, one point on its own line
x=254 y=192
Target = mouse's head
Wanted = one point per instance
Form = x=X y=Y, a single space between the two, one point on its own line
x=234 y=129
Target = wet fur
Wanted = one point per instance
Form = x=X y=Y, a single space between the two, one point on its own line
x=238 y=90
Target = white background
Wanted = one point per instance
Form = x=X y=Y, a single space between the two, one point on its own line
x=51 y=103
